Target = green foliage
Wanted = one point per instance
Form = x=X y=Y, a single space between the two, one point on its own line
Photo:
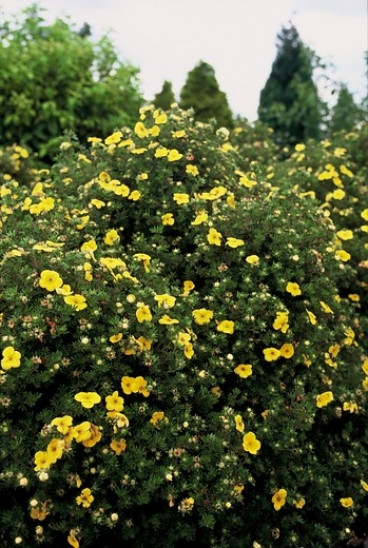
x=210 y=299
x=289 y=102
x=165 y=98
x=345 y=114
x=54 y=79
x=201 y=92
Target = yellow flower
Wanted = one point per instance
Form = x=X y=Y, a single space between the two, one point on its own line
x=251 y=444
x=350 y=406
x=127 y=384
x=188 y=286
x=87 y=399
x=324 y=399
x=118 y=446
x=200 y=218
x=188 y=350
x=293 y=288
x=82 y=432
x=55 y=449
x=165 y=300
x=114 y=138
x=135 y=195
x=338 y=194
x=252 y=259
x=279 y=499
x=161 y=152
x=239 y=424
x=114 y=402
x=50 y=280
x=234 y=242
x=65 y=289
x=62 y=424
x=89 y=247
x=111 y=237
x=42 y=461
x=226 y=326
x=160 y=118
x=86 y=498
x=157 y=417
x=167 y=320
x=312 y=317
x=345 y=234
x=111 y=263
x=271 y=354
x=11 y=358
x=299 y=503
x=345 y=171
x=143 y=313
x=365 y=367
x=365 y=384
x=281 y=321
x=183 y=338
x=140 y=130
x=299 y=147
x=243 y=370
x=342 y=255
x=181 y=198
x=167 y=219
x=179 y=133
x=287 y=350
x=116 y=338
x=174 y=155
x=140 y=385
x=364 y=214
x=354 y=297
x=97 y=203
x=72 y=540
x=214 y=237
x=76 y=301
x=192 y=170
x=202 y=316
x=364 y=484
x=346 y=502
x=325 y=308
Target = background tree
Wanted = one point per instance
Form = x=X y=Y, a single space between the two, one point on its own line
x=345 y=113
x=289 y=102
x=54 y=78
x=201 y=92
x=165 y=97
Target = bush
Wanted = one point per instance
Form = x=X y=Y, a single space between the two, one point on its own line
x=54 y=79
x=177 y=364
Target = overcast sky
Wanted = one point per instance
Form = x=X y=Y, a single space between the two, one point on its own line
x=167 y=38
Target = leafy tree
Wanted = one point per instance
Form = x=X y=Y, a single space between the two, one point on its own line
x=54 y=78
x=202 y=93
x=345 y=113
x=289 y=102
x=165 y=97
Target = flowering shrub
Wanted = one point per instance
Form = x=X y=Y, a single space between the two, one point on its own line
x=177 y=364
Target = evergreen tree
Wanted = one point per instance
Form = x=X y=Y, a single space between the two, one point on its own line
x=202 y=93
x=165 y=97
x=345 y=114
x=289 y=102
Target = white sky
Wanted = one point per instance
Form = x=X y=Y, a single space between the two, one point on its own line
x=167 y=38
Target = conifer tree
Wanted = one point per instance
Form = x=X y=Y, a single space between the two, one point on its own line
x=289 y=101
x=165 y=98
x=202 y=93
x=345 y=114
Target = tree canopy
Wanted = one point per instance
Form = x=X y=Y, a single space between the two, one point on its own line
x=202 y=93
x=289 y=101
x=164 y=98
x=54 y=78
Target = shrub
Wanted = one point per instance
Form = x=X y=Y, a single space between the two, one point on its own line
x=177 y=364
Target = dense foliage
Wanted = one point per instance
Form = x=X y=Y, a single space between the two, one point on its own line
x=164 y=98
x=89 y=90
x=202 y=93
x=184 y=356
x=289 y=101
